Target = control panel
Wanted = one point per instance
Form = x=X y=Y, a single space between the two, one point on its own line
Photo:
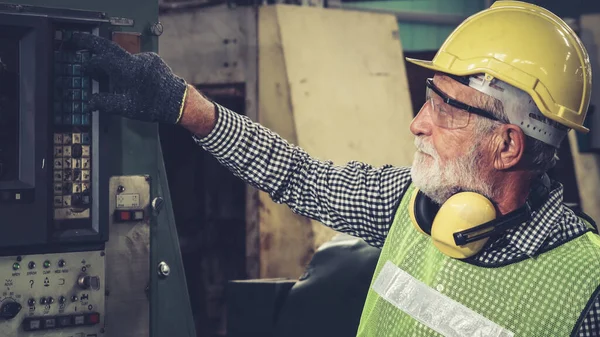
x=53 y=295
x=52 y=181
x=72 y=136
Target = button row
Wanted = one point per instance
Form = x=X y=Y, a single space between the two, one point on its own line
x=72 y=105
x=70 y=57
x=71 y=138
x=58 y=322
x=72 y=175
x=47 y=264
x=71 y=95
x=75 y=151
x=73 y=82
x=76 y=175
x=85 y=119
x=72 y=163
x=76 y=199
x=72 y=188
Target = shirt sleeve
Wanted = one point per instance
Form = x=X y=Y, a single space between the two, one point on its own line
x=590 y=326
x=355 y=198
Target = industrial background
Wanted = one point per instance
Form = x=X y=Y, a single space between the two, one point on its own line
x=293 y=67
x=211 y=256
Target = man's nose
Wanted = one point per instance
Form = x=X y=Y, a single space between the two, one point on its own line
x=421 y=124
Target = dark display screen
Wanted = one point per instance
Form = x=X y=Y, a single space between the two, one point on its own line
x=9 y=108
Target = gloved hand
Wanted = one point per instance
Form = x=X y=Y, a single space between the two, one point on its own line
x=145 y=87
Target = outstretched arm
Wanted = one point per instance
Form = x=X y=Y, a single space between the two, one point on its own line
x=355 y=198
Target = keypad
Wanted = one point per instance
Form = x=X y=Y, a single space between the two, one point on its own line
x=73 y=133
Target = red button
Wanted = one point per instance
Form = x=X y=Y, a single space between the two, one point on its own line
x=94 y=318
x=125 y=215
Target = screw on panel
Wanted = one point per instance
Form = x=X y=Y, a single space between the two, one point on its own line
x=163 y=269
x=157 y=204
x=156 y=29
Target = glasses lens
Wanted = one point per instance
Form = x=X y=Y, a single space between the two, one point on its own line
x=444 y=115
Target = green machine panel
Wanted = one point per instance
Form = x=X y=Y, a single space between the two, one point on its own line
x=92 y=248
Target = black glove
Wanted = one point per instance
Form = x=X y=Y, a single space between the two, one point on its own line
x=145 y=87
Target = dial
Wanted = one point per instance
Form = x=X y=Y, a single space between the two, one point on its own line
x=9 y=308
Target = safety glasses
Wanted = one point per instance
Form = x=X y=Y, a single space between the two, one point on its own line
x=449 y=113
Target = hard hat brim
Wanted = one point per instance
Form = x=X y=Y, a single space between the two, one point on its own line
x=432 y=66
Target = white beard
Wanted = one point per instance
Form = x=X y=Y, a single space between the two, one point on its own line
x=440 y=183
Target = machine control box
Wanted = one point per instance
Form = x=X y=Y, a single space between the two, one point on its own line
x=52 y=185
x=53 y=294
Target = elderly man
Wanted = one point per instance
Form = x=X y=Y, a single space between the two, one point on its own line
x=475 y=239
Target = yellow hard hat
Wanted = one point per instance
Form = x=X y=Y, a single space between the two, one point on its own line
x=527 y=47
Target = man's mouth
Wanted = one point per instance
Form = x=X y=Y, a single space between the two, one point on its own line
x=420 y=151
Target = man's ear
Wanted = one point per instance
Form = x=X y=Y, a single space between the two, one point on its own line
x=509 y=145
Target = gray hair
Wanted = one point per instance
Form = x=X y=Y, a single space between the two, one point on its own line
x=538 y=156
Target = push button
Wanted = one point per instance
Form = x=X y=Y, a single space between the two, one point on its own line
x=75 y=94
x=77 y=107
x=75 y=82
x=76 y=69
x=76 y=119
x=65 y=321
x=50 y=323
x=79 y=320
x=93 y=318
x=85 y=138
x=86 y=119
x=34 y=324
x=85 y=95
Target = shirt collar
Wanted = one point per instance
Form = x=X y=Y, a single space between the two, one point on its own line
x=531 y=235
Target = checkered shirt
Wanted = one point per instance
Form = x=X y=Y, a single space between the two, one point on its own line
x=361 y=200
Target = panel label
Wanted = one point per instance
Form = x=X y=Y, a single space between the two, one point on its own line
x=128 y=200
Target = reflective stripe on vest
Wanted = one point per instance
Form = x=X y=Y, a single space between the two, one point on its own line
x=432 y=308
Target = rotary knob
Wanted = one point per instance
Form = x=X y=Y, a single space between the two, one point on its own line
x=9 y=310
x=88 y=282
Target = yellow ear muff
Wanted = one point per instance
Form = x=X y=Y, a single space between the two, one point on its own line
x=462 y=211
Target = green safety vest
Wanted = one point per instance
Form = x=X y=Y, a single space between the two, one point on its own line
x=418 y=291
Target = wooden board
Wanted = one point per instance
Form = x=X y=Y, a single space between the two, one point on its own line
x=334 y=83
x=587 y=165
